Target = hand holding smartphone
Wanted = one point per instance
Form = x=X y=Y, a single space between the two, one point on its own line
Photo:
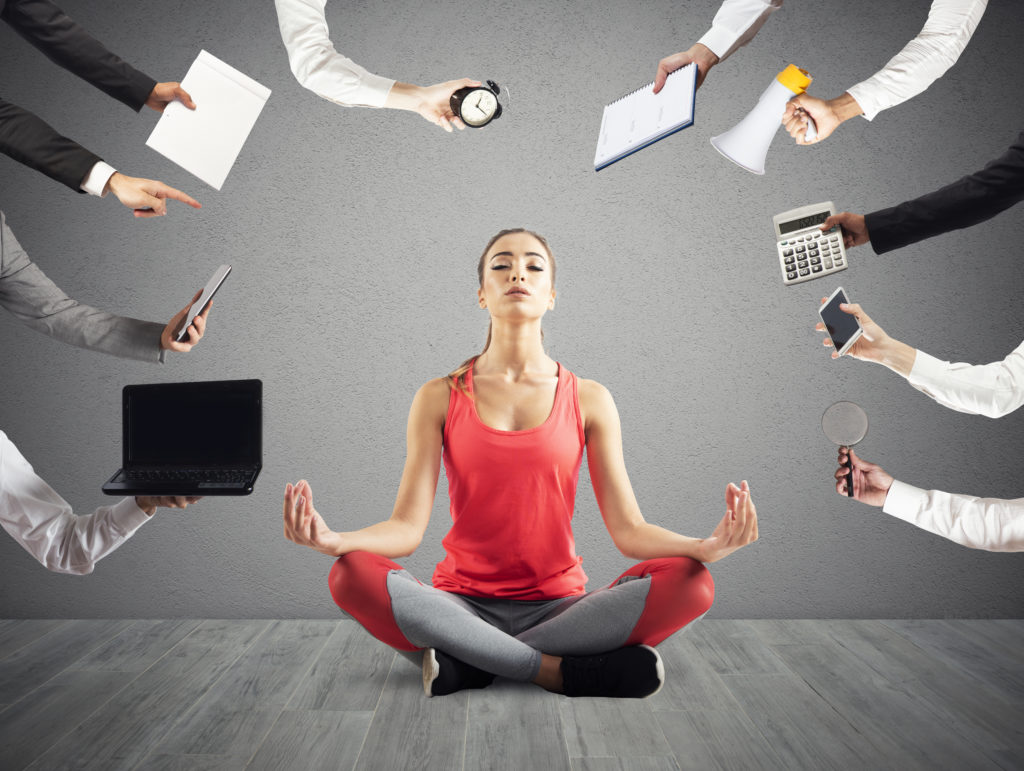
x=204 y=299
x=843 y=328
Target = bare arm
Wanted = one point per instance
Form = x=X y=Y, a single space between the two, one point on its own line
x=399 y=535
x=632 y=534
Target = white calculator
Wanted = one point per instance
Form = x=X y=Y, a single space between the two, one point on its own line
x=805 y=252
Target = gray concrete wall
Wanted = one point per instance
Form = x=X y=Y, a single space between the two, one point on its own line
x=354 y=235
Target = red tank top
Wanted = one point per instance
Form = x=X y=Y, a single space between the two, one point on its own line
x=512 y=495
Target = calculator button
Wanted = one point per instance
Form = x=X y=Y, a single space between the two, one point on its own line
x=815 y=260
x=828 y=263
x=812 y=253
x=801 y=248
x=802 y=264
x=834 y=239
x=791 y=275
x=785 y=243
x=787 y=252
x=816 y=269
x=839 y=260
x=804 y=271
x=790 y=260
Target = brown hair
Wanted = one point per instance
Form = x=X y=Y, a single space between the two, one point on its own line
x=456 y=378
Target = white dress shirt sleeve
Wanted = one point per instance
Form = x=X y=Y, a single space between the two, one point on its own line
x=991 y=524
x=736 y=23
x=992 y=390
x=96 y=180
x=42 y=522
x=315 y=63
x=949 y=28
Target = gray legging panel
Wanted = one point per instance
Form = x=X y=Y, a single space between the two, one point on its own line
x=507 y=637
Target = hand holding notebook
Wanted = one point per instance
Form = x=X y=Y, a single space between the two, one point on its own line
x=642 y=117
x=206 y=141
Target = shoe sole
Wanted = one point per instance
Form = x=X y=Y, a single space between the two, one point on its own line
x=659 y=669
x=431 y=669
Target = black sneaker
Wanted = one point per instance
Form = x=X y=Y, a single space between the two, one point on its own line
x=627 y=673
x=443 y=674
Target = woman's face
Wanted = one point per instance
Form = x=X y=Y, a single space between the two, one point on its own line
x=517 y=278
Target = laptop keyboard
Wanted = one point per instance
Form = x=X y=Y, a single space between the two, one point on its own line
x=193 y=475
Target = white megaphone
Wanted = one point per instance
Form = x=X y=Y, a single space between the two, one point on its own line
x=747 y=143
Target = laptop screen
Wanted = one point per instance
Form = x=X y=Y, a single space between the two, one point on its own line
x=215 y=423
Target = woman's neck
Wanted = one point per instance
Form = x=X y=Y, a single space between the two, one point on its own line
x=514 y=350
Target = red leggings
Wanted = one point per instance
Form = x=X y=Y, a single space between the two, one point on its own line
x=643 y=606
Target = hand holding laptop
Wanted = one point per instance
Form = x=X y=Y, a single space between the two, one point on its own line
x=150 y=504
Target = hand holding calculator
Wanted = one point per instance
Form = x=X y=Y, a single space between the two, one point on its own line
x=805 y=251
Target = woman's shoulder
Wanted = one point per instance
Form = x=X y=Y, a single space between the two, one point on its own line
x=596 y=401
x=435 y=392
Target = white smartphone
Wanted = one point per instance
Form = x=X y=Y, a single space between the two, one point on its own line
x=204 y=299
x=843 y=328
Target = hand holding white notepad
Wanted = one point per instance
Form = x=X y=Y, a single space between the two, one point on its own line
x=206 y=141
x=642 y=117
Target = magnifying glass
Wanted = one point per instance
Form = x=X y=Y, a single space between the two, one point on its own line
x=845 y=424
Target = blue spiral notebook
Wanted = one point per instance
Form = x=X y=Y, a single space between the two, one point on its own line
x=641 y=117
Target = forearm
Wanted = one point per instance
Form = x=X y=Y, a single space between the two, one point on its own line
x=30 y=140
x=736 y=24
x=390 y=538
x=646 y=541
x=971 y=199
x=949 y=28
x=70 y=46
x=317 y=65
x=990 y=524
x=897 y=356
x=992 y=390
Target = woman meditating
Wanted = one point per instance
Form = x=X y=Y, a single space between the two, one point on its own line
x=508 y=599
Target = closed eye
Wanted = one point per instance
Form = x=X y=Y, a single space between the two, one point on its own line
x=537 y=268
x=500 y=267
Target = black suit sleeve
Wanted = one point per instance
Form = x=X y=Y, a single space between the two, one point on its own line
x=56 y=34
x=968 y=201
x=30 y=140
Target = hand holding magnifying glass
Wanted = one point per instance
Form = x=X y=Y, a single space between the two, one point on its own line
x=845 y=424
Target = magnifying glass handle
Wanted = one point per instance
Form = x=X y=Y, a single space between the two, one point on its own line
x=849 y=477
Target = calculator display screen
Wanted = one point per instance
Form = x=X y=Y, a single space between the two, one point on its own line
x=803 y=222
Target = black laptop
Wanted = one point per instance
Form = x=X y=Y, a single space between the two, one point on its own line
x=190 y=439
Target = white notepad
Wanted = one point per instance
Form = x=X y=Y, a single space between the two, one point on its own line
x=206 y=141
x=642 y=117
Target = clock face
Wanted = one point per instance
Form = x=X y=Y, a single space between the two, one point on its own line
x=478 y=107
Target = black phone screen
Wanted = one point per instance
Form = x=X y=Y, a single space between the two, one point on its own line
x=841 y=327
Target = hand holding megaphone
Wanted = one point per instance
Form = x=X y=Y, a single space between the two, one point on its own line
x=804 y=112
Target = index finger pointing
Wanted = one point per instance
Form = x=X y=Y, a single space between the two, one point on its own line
x=177 y=195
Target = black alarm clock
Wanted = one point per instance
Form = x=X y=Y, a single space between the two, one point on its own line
x=477 y=105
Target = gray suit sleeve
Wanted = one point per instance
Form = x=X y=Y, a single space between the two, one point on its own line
x=32 y=298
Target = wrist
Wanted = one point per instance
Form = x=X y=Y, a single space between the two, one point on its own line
x=113 y=183
x=897 y=356
x=844 y=107
x=403 y=96
x=704 y=56
x=146 y=504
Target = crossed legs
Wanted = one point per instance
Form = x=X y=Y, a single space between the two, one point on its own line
x=515 y=639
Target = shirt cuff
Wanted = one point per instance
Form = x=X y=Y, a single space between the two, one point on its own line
x=375 y=89
x=719 y=40
x=904 y=501
x=862 y=95
x=96 y=180
x=127 y=517
x=926 y=371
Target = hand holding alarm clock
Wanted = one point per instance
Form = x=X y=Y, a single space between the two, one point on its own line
x=477 y=106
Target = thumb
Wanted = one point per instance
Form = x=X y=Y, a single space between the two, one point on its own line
x=831 y=222
x=184 y=97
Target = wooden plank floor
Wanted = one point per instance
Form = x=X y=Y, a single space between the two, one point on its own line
x=226 y=695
